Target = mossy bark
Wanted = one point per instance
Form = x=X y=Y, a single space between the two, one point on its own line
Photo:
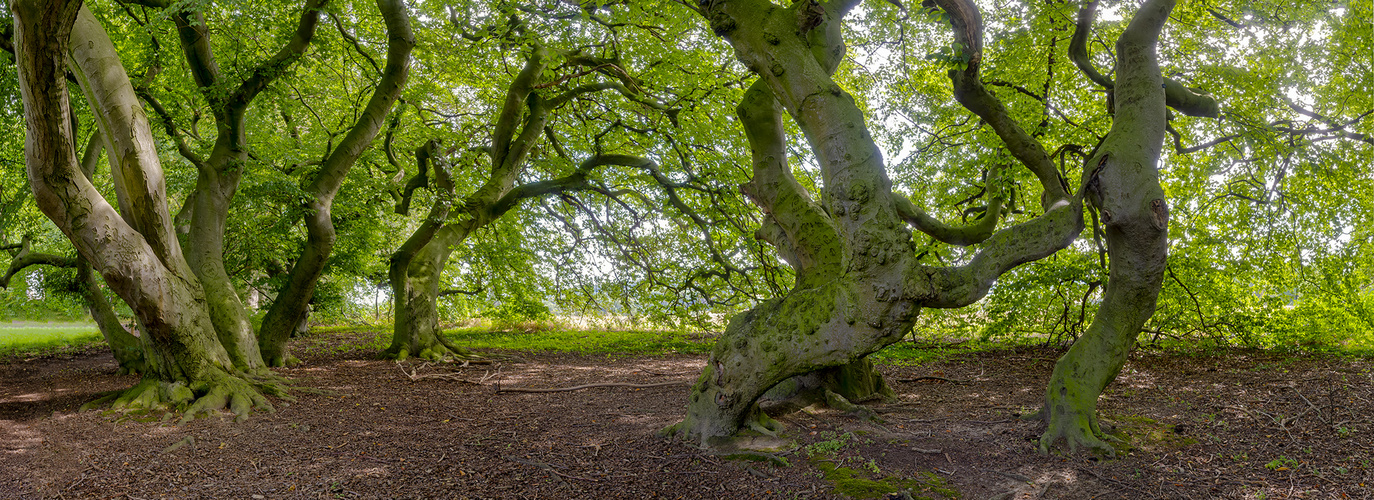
x=415 y=292
x=136 y=250
x=1122 y=181
x=206 y=209
x=859 y=287
x=206 y=258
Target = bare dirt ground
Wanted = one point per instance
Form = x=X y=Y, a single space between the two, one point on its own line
x=1246 y=425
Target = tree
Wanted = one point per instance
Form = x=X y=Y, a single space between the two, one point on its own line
x=125 y=346
x=523 y=122
x=139 y=254
x=290 y=305
x=859 y=280
x=219 y=173
x=859 y=285
x=136 y=248
x=1122 y=184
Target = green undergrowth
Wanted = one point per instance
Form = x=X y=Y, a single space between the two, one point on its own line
x=585 y=341
x=852 y=475
x=46 y=338
x=1211 y=349
x=921 y=353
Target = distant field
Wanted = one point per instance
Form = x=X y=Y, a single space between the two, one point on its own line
x=29 y=335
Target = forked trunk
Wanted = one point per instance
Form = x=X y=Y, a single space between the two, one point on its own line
x=137 y=253
x=415 y=292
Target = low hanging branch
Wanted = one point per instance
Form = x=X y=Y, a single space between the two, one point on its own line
x=24 y=257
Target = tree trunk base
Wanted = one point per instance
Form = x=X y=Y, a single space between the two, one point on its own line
x=130 y=361
x=838 y=387
x=280 y=359
x=240 y=394
x=1078 y=431
x=1070 y=415
x=757 y=433
x=436 y=349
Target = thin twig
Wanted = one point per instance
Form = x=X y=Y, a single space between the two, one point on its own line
x=500 y=390
x=547 y=467
x=1309 y=403
x=931 y=377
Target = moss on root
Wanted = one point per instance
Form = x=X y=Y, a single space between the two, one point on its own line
x=440 y=350
x=240 y=394
x=854 y=483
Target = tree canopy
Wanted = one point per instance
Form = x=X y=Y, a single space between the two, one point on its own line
x=688 y=163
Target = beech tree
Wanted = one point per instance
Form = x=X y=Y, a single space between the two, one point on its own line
x=576 y=118
x=128 y=353
x=190 y=361
x=290 y=305
x=859 y=284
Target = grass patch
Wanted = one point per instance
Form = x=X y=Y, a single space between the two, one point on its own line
x=585 y=341
x=920 y=353
x=38 y=338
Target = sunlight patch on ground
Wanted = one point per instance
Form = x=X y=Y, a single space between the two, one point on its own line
x=1136 y=379
x=26 y=398
x=17 y=438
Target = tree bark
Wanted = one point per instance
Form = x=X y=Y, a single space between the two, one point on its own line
x=293 y=300
x=859 y=286
x=1122 y=181
x=140 y=260
x=416 y=267
x=219 y=174
x=415 y=283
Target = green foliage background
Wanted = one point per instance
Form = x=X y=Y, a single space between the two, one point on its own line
x=1272 y=230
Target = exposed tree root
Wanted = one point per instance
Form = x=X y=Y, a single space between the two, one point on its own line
x=1077 y=431
x=441 y=350
x=756 y=432
x=835 y=400
x=238 y=393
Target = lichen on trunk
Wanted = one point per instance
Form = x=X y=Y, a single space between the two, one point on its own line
x=859 y=286
x=1122 y=182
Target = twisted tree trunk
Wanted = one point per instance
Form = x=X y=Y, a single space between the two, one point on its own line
x=292 y=302
x=859 y=287
x=1122 y=182
x=137 y=253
